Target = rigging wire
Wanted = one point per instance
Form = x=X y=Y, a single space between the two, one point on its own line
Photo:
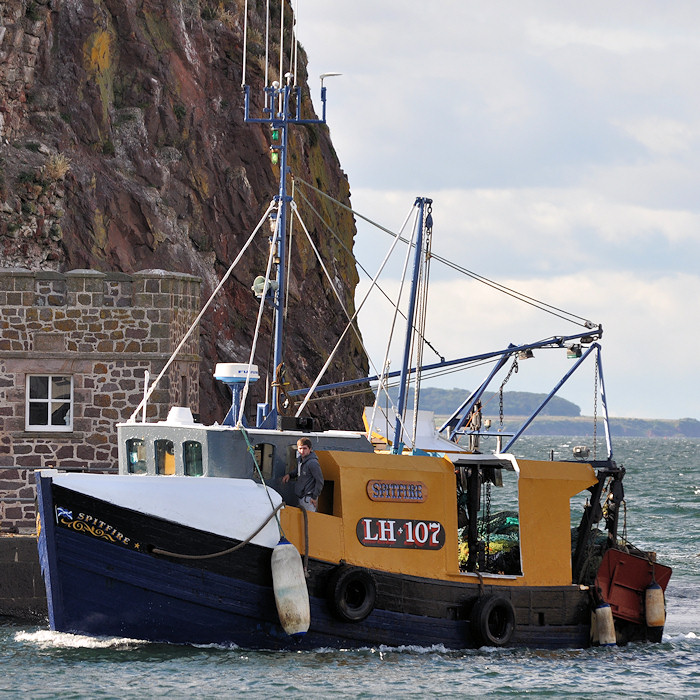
x=256 y=335
x=422 y=307
x=385 y=364
x=295 y=42
x=289 y=258
x=532 y=301
x=417 y=348
x=392 y=384
x=520 y=296
x=267 y=44
x=175 y=352
x=251 y=451
x=358 y=263
x=351 y=322
x=245 y=43
x=282 y=6
x=357 y=311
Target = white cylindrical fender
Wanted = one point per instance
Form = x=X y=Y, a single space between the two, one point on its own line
x=605 y=625
x=594 y=629
x=654 y=606
x=289 y=584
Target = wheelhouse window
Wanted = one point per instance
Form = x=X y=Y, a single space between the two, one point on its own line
x=264 y=455
x=488 y=519
x=165 y=457
x=49 y=403
x=192 y=458
x=136 y=456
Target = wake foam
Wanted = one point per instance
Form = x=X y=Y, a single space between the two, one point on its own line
x=48 y=639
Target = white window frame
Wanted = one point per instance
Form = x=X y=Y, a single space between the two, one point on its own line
x=68 y=427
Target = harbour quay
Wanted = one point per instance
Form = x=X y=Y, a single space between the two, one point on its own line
x=22 y=592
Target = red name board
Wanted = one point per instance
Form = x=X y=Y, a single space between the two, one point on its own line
x=397 y=491
x=402 y=534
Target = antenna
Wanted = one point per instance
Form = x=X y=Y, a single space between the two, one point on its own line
x=323 y=76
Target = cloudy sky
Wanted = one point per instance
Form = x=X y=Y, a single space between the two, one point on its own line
x=560 y=144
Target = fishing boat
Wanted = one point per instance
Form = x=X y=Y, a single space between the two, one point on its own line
x=421 y=535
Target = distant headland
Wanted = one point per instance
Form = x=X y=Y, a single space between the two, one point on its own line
x=559 y=417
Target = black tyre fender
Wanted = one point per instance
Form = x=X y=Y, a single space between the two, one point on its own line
x=492 y=621
x=352 y=593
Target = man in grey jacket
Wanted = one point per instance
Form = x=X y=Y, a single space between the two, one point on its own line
x=308 y=476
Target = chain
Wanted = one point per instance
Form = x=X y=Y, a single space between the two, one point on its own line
x=595 y=411
x=513 y=368
x=487 y=524
x=428 y=258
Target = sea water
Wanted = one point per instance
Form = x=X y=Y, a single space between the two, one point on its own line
x=663 y=514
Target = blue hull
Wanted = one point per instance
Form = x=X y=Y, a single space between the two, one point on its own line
x=98 y=588
x=108 y=591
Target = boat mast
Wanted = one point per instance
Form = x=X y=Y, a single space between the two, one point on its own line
x=423 y=222
x=279 y=115
x=279 y=123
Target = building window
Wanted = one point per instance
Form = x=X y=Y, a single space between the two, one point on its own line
x=165 y=457
x=192 y=457
x=136 y=456
x=49 y=403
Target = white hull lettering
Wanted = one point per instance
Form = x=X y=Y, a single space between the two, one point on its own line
x=367 y=537
x=401 y=534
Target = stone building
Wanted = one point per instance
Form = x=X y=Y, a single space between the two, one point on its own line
x=74 y=349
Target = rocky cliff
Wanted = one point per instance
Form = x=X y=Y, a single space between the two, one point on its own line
x=124 y=148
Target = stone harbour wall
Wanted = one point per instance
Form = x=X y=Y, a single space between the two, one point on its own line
x=105 y=331
x=22 y=592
